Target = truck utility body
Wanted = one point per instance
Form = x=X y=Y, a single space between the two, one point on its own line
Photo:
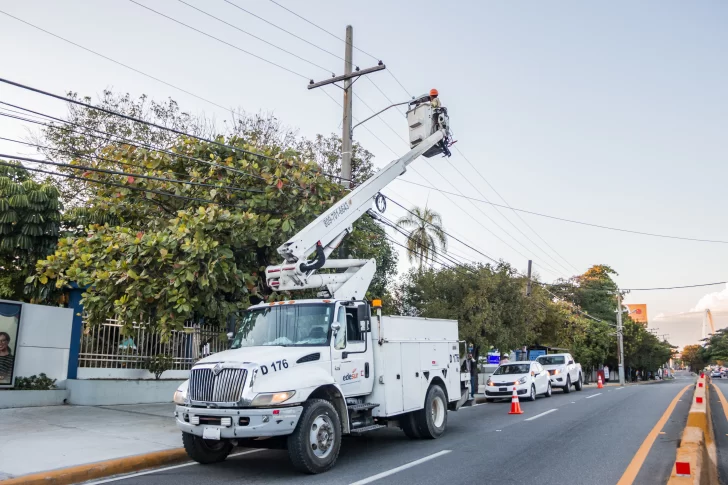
x=301 y=373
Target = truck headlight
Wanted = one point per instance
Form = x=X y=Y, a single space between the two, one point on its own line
x=180 y=395
x=523 y=380
x=272 y=398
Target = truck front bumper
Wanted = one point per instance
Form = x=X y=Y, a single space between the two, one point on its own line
x=558 y=380
x=244 y=423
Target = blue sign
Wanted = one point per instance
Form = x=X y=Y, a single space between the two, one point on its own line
x=493 y=359
x=534 y=354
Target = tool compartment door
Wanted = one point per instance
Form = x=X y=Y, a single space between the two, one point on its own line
x=412 y=379
x=392 y=378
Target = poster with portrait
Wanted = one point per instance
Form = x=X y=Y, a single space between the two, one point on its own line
x=9 y=330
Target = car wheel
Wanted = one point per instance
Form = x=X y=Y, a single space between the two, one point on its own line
x=567 y=387
x=532 y=396
x=579 y=384
x=548 y=390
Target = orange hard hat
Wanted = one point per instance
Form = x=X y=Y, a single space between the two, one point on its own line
x=433 y=92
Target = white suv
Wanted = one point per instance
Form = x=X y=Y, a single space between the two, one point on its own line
x=529 y=379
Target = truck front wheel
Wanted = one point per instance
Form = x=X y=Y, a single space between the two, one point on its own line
x=432 y=419
x=206 y=451
x=579 y=384
x=567 y=387
x=315 y=443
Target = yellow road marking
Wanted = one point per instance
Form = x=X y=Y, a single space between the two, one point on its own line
x=639 y=458
x=723 y=402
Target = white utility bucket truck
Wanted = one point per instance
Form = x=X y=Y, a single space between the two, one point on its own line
x=302 y=373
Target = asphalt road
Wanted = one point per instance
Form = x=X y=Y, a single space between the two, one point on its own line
x=596 y=436
x=719 y=411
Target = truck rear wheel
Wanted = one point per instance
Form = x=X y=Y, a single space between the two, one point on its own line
x=432 y=419
x=204 y=451
x=315 y=443
x=409 y=426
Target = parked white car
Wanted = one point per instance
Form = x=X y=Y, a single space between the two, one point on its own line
x=563 y=370
x=529 y=378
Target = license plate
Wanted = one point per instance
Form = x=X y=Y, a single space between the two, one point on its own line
x=211 y=433
x=502 y=389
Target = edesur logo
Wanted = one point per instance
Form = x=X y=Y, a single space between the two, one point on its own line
x=350 y=376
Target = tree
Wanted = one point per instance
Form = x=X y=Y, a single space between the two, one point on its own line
x=29 y=226
x=426 y=234
x=595 y=292
x=692 y=356
x=326 y=152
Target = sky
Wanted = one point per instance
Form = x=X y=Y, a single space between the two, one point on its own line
x=609 y=113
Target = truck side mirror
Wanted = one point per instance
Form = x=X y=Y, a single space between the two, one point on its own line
x=336 y=326
x=230 y=335
x=571 y=362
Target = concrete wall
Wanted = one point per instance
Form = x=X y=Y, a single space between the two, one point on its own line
x=101 y=373
x=23 y=399
x=92 y=392
x=43 y=342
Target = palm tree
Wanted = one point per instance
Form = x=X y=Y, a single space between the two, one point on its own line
x=426 y=234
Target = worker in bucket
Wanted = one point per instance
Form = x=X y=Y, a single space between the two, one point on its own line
x=437 y=108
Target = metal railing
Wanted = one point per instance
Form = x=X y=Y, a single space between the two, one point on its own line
x=104 y=346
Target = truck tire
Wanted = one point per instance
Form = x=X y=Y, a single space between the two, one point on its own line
x=567 y=387
x=532 y=395
x=579 y=384
x=315 y=443
x=204 y=451
x=548 y=390
x=432 y=419
x=409 y=426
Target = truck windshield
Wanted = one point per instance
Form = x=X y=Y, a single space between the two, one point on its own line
x=513 y=369
x=286 y=325
x=551 y=360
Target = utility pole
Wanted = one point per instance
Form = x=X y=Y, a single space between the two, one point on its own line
x=620 y=339
x=346 y=132
x=528 y=284
x=350 y=73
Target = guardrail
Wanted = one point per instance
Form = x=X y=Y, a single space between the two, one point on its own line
x=696 y=461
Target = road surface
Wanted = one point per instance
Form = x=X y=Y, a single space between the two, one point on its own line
x=596 y=436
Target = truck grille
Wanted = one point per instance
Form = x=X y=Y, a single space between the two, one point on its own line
x=226 y=386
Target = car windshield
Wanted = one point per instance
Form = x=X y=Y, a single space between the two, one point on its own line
x=512 y=369
x=551 y=360
x=285 y=325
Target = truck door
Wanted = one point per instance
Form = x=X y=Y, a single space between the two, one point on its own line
x=351 y=352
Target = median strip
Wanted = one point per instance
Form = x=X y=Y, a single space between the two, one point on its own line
x=400 y=468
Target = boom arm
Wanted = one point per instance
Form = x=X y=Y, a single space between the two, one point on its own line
x=327 y=231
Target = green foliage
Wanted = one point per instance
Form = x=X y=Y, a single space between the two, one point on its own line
x=693 y=356
x=716 y=349
x=158 y=364
x=35 y=383
x=29 y=226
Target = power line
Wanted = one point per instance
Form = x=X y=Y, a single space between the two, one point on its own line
x=117 y=62
x=114 y=172
x=222 y=41
x=676 y=287
x=130 y=187
x=511 y=208
x=284 y=30
x=255 y=36
x=641 y=233
x=342 y=40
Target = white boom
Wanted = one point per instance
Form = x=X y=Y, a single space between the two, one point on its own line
x=326 y=232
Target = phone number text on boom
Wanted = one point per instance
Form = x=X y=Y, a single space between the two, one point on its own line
x=331 y=218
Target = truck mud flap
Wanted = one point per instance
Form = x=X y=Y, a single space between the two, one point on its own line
x=463 y=401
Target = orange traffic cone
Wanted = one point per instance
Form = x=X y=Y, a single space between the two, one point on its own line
x=599 y=383
x=515 y=403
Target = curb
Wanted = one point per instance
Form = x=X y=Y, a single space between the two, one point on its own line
x=102 y=469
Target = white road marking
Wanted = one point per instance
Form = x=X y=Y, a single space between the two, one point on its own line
x=617 y=389
x=542 y=414
x=400 y=468
x=593 y=395
x=156 y=470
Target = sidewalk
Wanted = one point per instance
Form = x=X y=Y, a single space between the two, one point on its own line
x=48 y=438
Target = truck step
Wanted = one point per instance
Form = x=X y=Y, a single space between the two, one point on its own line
x=367 y=428
x=362 y=407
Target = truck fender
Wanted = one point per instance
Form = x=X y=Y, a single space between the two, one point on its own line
x=332 y=393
